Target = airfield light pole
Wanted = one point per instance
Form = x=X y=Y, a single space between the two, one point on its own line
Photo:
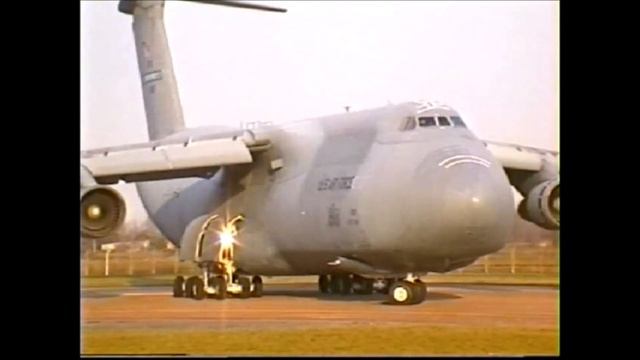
x=106 y=263
x=86 y=263
x=130 y=263
x=108 y=248
x=513 y=259
x=153 y=262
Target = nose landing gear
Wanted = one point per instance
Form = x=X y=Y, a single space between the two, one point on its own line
x=409 y=290
x=219 y=278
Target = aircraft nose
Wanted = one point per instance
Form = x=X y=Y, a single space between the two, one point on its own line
x=469 y=204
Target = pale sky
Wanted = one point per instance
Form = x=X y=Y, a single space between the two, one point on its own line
x=497 y=63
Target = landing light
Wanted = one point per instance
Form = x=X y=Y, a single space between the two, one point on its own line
x=226 y=239
x=475 y=199
x=227 y=235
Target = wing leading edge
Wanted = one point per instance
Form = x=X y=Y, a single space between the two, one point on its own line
x=518 y=157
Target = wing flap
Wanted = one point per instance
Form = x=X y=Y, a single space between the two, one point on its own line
x=157 y=162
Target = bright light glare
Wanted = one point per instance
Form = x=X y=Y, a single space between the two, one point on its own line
x=226 y=238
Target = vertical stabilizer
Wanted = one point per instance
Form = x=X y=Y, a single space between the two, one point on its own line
x=159 y=87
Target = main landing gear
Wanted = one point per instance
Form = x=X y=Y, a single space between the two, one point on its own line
x=410 y=290
x=345 y=284
x=220 y=278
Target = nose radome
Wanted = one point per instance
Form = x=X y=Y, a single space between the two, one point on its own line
x=466 y=202
x=477 y=204
x=473 y=195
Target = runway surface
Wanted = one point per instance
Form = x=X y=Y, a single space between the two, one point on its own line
x=302 y=306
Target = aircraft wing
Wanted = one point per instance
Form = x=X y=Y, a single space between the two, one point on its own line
x=525 y=158
x=167 y=160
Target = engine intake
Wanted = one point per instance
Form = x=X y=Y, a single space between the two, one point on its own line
x=542 y=205
x=102 y=211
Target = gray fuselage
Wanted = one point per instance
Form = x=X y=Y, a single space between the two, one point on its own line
x=357 y=185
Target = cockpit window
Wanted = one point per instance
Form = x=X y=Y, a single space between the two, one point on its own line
x=443 y=121
x=457 y=121
x=427 y=121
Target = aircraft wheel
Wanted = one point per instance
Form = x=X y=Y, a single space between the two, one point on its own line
x=335 y=283
x=323 y=283
x=178 y=287
x=198 y=289
x=420 y=292
x=257 y=286
x=368 y=287
x=402 y=293
x=347 y=285
x=210 y=283
x=362 y=286
x=219 y=284
x=245 y=283
x=188 y=286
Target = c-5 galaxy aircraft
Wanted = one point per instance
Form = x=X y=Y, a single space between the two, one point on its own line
x=367 y=200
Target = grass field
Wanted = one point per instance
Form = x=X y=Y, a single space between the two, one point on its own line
x=410 y=340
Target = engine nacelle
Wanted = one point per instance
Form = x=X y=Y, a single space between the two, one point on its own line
x=102 y=211
x=542 y=205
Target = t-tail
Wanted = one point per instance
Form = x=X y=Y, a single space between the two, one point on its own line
x=159 y=87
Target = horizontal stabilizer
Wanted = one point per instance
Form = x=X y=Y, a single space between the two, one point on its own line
x=128 y=6
x=240 y=4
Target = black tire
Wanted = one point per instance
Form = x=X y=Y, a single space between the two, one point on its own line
x=420 y=292
x=188 y=287
x=323 y=284
x=364 y=285
x=402 y=293
x=340 y=284
x=347 y=285
x=368 y=287
x=198 y=289
x=245 y=283
x=335 y=283
x=210 y=283
x=220 y=286
x=358 y=290
x=257 y=286
x=178 y=287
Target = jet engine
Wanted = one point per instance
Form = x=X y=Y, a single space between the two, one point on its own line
x=541 y=206
x=102 y=209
